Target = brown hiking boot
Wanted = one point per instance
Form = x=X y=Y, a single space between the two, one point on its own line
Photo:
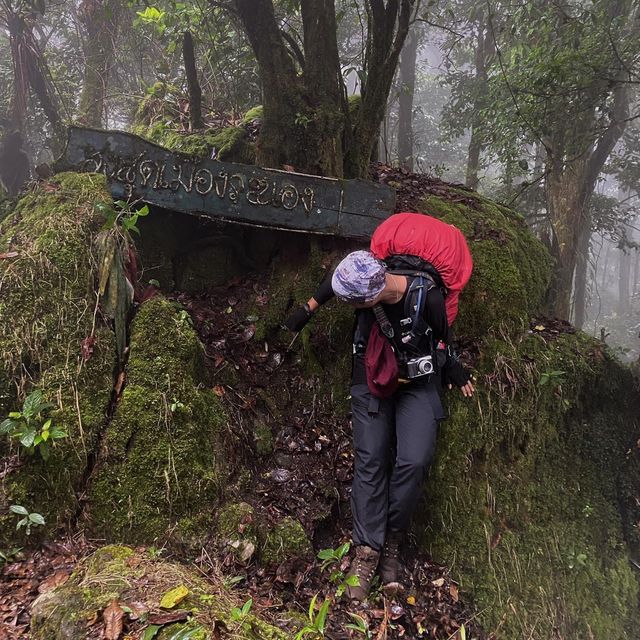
x=390 y=566
x=364 y=567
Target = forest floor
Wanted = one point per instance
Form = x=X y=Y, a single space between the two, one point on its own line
x=306 y=475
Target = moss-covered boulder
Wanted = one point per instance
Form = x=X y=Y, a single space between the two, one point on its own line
x=530 y=497
x=141 y=588
x=533 y=496
x=512 y=268
x=52 y=339
x=162 y=465
x=144 y=451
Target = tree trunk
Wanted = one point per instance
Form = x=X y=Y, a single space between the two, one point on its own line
x=636 y=273
x=99 y=19
x=567 y=202
x=193 y=85
x=30 y=68
x=387 y=30
x=323 y=85
x=484 y=52
x=303 y=115
x=473 y=159
x=405 y=101
x=582 y=264
x=624 y=275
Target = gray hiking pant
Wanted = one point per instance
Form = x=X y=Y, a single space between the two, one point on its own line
x=393 y=443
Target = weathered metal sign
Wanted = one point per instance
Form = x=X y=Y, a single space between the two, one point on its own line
x=137 y=169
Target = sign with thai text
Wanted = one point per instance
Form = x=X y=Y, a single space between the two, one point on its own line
x=139 y=170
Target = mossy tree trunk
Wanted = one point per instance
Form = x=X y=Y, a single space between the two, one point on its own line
x=387 y=29
x=99 y=20
x=582 y=264
x=304 y=98
x=574 y=163
x=303 y=115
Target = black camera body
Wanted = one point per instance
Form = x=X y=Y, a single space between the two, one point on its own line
x=418 y=367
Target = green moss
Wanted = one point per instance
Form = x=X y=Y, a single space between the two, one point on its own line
x=255 y=113
x=236 y=530
x=231 y=144
x=285 y=540
x=324 y=345
x=236 y=519
x=161 y=466
x=263 y=438
x=47 y=306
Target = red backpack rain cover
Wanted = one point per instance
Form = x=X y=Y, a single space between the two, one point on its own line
x=441 y=244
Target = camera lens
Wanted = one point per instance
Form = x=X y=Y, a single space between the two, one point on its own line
x=425 y=366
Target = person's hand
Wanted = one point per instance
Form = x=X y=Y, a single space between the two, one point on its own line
x=467 y=389
x=455 y=373
x=299 y=318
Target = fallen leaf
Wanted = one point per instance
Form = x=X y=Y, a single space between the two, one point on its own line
x=539 y=327
x=438 y=583
x=174 y=597
x=218 y=390
x=113 y=616
x=53 y=581
x=453 y=590
x=138 y=609
x=218 y=360
x=9 y=254
x=411 y=600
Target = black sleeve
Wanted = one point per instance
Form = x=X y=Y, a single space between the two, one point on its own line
x=324 y=292
x=452 y=369
x=436 y=315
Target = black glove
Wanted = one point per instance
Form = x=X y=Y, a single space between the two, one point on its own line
x=299 y=318
x=455 y=373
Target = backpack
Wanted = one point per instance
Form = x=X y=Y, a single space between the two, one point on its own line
x=380 y=364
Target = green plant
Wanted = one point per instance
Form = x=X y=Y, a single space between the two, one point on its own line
x=552 y=376
x=9 y=555
x=333 y=558
x=239 y=614
x=29 y=520
x=31 y=428
x=317 y=621
x=302 y=120
x=231 y=582
x=577 y=560
x=176 y=405
x=359 y=625
x=122 y=214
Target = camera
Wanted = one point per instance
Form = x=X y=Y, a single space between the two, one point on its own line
x=420 y=367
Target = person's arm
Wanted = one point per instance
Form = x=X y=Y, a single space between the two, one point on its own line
x=453 y=371
x=299 y=318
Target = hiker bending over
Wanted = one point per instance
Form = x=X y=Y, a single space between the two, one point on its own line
x=405 y=291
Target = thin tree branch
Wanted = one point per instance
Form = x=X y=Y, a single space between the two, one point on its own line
x=294 y=47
